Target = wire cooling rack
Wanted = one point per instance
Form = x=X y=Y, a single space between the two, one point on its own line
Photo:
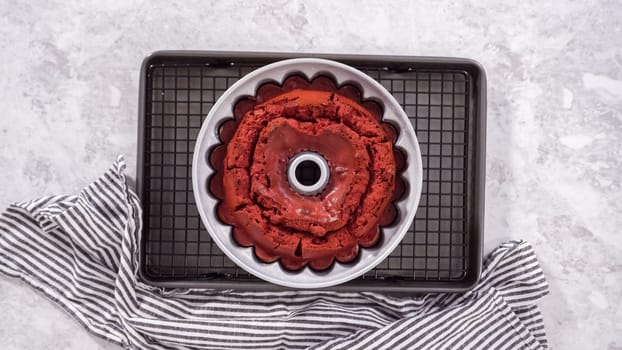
x=443 y=98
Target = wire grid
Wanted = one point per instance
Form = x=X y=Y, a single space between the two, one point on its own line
x=177 y=246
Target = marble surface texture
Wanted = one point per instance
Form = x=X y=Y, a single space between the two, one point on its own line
x=69 y=89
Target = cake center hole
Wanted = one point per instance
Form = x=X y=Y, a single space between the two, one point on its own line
x=308 y=173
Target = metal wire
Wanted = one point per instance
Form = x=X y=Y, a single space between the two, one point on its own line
x=179 y=96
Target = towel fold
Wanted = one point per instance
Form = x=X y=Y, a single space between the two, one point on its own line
x=82 y=253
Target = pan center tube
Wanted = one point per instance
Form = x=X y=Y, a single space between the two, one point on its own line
x=308 y=173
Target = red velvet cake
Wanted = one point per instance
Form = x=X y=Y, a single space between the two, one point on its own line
x=270 y=214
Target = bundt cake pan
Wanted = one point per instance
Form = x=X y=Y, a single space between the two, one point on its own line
x=220 y=232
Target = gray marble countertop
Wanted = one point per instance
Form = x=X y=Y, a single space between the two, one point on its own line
x=69 y=92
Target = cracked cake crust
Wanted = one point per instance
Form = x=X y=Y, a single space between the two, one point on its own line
x=280 y=223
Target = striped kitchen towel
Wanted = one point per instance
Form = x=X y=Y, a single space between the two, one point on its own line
x=82 y=253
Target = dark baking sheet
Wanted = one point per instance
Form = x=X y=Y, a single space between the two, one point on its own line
x=445 y=99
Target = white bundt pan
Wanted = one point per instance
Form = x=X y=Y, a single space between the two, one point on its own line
x=222 y=233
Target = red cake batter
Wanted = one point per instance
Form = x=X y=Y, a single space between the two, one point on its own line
x=257 y=199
